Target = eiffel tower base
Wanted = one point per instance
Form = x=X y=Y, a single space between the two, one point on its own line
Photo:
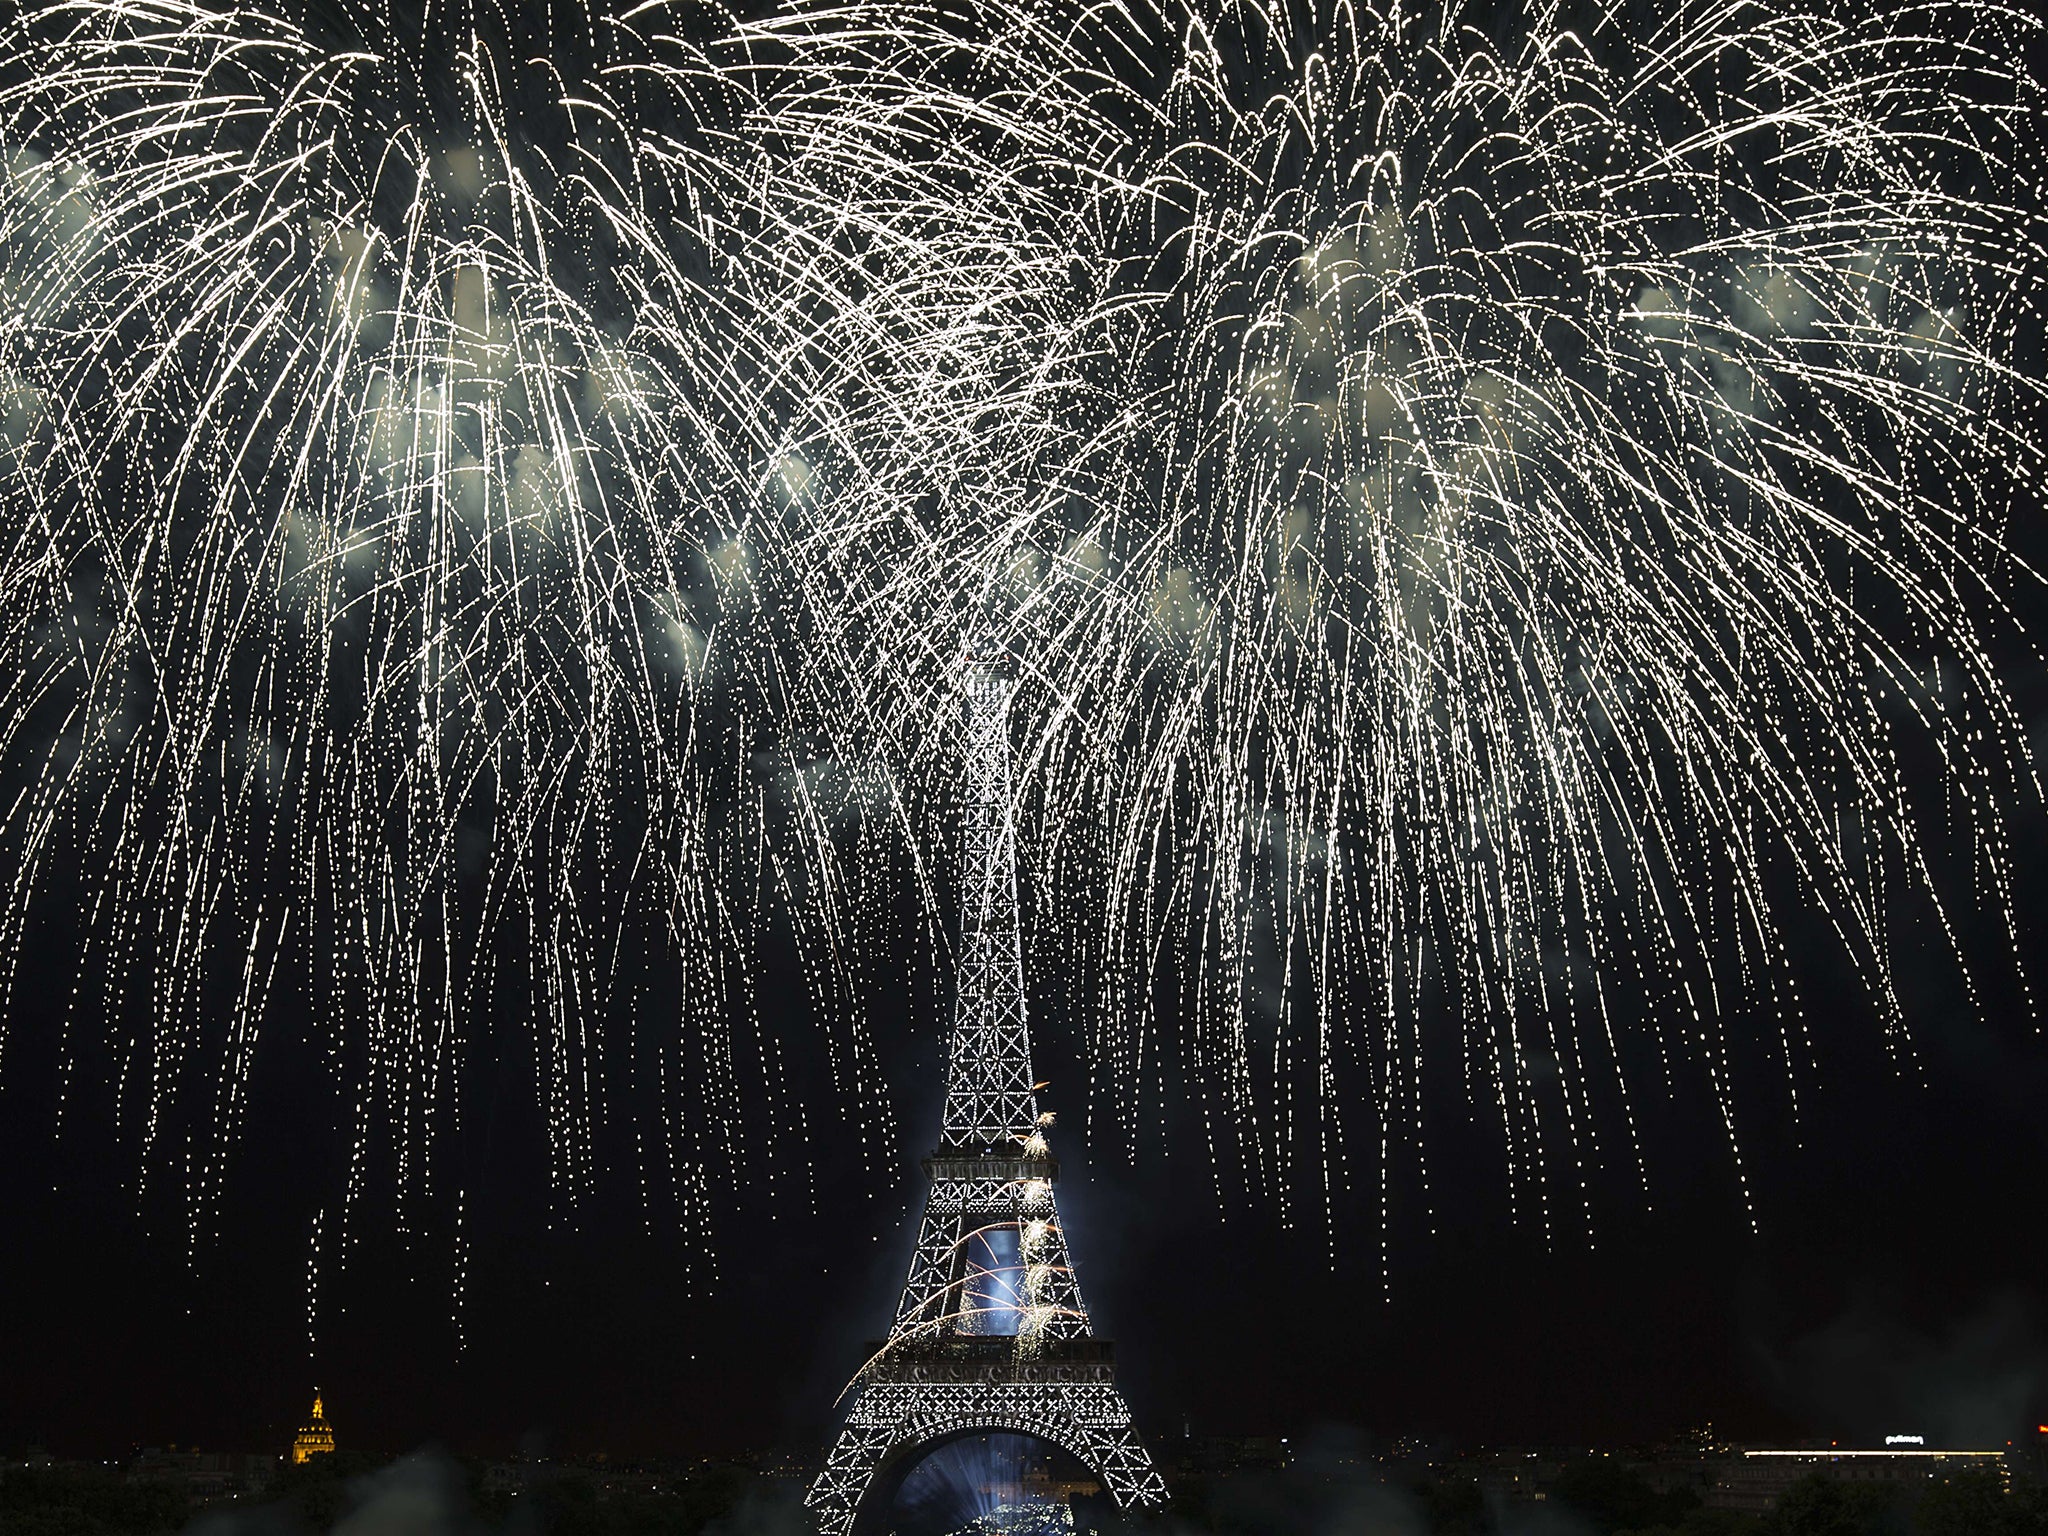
x=892 y=1424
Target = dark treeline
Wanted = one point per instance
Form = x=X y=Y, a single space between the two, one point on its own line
x=428 y=1494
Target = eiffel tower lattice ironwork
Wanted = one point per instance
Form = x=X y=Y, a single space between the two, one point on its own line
x=991 y=1334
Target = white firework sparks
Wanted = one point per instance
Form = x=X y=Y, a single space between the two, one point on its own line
x=1487 y=503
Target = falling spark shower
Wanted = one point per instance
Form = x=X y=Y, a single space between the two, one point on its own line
x=1495 y=506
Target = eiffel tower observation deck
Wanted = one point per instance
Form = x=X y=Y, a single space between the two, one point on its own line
x=991 y=1334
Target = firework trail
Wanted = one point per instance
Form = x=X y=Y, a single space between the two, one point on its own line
x=343 y=604
x=1491 y=504
x=1486 y=523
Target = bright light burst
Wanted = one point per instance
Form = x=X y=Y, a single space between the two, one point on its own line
x=1492 y=504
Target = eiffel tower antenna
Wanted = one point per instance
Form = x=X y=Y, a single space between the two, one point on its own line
x=991 y=1334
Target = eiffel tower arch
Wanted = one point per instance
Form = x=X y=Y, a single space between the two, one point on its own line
x=991 y=1333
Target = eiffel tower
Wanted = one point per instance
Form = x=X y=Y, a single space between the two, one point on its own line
x=991 y=1334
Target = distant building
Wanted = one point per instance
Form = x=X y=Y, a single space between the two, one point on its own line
x=1518 y=1474
x=1699 y=1440
x=1755 y=1480
x=516 y=1477
x=2026 y=1458
x=1199 y=1454
x=315 y=1437
x=785 y=1465
x=204 y=1475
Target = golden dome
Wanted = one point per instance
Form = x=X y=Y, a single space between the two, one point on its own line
x=315 y=1437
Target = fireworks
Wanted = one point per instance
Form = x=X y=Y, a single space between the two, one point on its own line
x=1489 y=505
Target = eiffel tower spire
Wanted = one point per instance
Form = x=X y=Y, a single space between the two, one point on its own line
x=989 y=1101
x=991 y=1333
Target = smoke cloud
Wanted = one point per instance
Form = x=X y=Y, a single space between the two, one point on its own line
x=1869 y=1373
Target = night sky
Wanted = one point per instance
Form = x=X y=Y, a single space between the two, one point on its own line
x=1893 y=1282
x=1887 y=1271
